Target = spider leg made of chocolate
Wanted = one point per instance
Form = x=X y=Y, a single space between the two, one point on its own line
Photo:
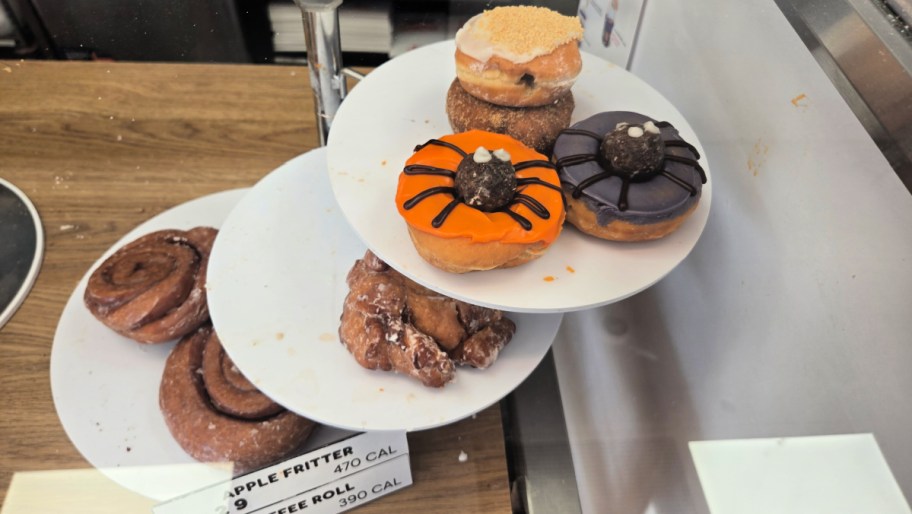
x=633 y=173
x=515 y=197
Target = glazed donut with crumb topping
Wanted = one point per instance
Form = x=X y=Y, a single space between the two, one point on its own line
x=518 y=56
x=478 y=201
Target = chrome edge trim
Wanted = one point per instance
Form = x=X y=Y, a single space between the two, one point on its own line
x=869 y=63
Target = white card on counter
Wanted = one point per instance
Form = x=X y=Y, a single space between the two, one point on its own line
x=334 y=478
x=833 y=474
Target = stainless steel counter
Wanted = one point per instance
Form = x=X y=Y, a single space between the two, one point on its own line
x=791 y=316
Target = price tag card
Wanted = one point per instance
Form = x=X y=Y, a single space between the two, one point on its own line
x=334 y=478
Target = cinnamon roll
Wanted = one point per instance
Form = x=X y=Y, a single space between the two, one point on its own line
x=216 y=415
x=153 y=289
x=229 y=390
x=628 y=177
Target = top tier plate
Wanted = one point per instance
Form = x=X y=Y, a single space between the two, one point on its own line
x=402 y=104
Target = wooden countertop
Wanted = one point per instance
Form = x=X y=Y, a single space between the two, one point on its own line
x=101 y=147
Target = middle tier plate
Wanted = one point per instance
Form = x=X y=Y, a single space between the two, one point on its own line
x=276 y=285
x=401 y=104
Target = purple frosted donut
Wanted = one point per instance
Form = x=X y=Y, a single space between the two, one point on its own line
x=627 y=177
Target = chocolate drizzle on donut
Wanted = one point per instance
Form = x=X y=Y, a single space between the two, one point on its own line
x=438 y=142
x=538 y=163
x=498 y=201
x=431 y=191
x=422 y=169
x=635 y=167
x=581 y=132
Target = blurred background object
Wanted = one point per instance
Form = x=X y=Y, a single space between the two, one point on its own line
x=229 y=31
x=610 y=27
x=139 y=30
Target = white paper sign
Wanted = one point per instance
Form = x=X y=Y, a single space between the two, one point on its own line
x=334 y=478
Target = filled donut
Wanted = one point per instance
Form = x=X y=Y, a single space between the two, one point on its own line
x=518 y=56
x=391 y=323
x=216 y=415
x=536 y=127
x=627 y=176
x=153 y=289
x=479 y=201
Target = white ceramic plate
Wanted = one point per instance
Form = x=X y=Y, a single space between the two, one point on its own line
x=402 y=104
x=105 y=387
x=276 y=286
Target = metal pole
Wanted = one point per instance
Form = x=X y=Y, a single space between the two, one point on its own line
x=324 y=59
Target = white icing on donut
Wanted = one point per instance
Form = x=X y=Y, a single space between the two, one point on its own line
x=502 y=154
x=635 y=132
x=476 y=38
x=481 y=155
x=471 y=41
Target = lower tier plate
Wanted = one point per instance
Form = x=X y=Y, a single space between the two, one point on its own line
x=276 y=285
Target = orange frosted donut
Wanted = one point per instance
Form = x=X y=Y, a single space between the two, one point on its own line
x=465 y=213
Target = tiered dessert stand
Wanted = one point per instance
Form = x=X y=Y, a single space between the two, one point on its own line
x=276 y=281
